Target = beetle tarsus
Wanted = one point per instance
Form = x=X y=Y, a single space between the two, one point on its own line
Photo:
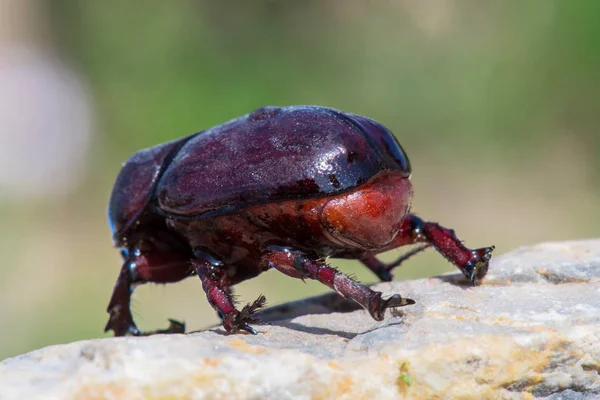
x=476 y=268
x=239 y=320
x=245 y=315
x=217 y=287
x=121 y=325
x=249 y=329
x=253 y=307
x=378 y=305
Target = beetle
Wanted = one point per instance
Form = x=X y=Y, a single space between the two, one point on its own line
x=280 y=188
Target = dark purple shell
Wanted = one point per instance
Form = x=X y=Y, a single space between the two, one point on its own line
x=135 y=183
x=276 y=154
x=272 y=154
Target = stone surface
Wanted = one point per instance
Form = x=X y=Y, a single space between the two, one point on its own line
x=532 y=330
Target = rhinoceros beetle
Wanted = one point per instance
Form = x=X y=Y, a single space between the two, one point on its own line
x=281 y=188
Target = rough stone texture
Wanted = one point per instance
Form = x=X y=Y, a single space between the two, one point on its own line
x=532 y=330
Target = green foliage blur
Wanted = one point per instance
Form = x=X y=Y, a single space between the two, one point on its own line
x=496 y=103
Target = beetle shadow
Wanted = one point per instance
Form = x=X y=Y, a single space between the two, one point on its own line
x=324 y=304
x=455 y=279
x=289 y=325
x=316 y=330
x=283 y=314
x=344 y=306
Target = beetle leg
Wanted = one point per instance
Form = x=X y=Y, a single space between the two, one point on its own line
x=217 y=286
x=141 y=268
x=383 y=270
x=121 y=320
x=297 y=265
x=472 y=263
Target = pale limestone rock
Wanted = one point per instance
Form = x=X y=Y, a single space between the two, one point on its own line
x=532 y=330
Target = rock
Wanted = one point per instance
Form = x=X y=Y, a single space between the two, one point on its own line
x=532 y=330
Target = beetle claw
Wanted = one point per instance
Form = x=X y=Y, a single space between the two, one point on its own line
x=121 y=323
x=249 y=329
x=476 y=269
x=129 y=330
x=378 y=305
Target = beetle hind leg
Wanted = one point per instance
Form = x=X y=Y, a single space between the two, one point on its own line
x=383 y=270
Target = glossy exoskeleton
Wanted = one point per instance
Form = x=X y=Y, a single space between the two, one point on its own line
x=279 y=188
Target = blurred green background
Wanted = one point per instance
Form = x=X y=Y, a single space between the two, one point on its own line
x=496 y=103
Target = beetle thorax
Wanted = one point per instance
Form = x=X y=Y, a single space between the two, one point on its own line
x=369 y=217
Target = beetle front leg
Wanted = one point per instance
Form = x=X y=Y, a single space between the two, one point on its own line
x=121 y=320
x=163 y=267
x=472 y=263
x=217 y=287
x=298 y=265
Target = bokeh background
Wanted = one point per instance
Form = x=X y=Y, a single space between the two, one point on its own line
x=497 y=104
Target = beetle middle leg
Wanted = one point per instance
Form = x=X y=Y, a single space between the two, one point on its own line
x=298 y=265
x=156 y=267
x=217 y=286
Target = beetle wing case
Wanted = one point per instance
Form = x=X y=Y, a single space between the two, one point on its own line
x=276 y=154
x=135 y=184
